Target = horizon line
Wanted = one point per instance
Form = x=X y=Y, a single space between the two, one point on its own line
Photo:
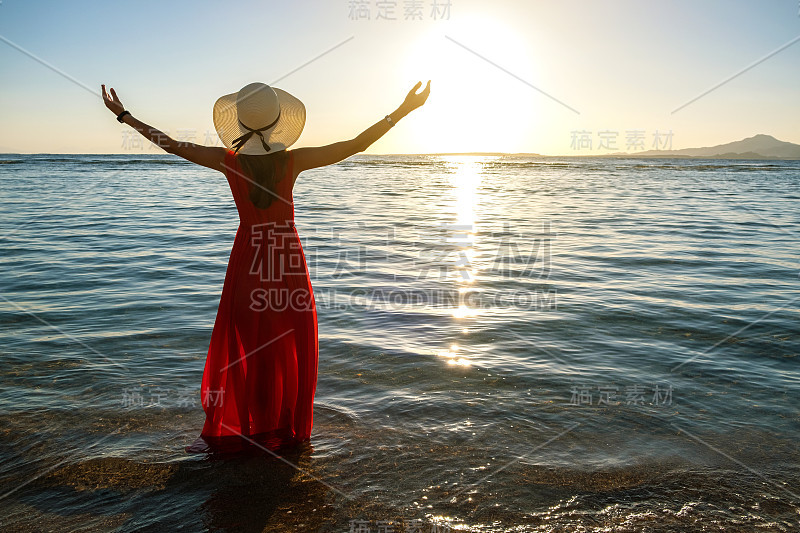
x=668 y=154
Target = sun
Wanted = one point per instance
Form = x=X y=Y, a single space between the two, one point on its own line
x=475 y=104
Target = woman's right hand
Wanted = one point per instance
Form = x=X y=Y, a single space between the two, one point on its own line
x=112 y=102
x=414 y=100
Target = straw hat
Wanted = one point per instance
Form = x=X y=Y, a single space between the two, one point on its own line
x=259 y=119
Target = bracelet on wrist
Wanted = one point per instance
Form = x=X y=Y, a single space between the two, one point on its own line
x=122 y=115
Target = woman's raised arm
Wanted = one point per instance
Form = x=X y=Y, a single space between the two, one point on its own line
x=320 y=156
x=208 y=156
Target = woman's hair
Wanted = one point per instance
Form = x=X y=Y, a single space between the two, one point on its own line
x=265 y=171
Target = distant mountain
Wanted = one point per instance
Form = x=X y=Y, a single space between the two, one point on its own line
x=757 y=147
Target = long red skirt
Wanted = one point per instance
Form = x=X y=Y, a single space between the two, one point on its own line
x=261 y=370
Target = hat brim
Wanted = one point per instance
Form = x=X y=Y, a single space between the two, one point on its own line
x=279 y=137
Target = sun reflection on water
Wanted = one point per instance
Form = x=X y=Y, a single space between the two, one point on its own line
x=464 y=177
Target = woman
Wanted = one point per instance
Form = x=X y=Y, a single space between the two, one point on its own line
x=260 y=374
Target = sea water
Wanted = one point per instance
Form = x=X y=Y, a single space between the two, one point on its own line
x=507 y=343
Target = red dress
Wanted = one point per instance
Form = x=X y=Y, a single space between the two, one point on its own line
x=261 y=370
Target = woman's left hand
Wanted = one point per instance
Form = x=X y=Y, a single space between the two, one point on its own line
x=112 y=102
x=413 y=99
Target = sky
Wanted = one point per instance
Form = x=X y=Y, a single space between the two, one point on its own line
x=549 y=77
